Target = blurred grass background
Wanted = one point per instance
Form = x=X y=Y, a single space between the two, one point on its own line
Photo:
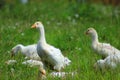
x=65 y=22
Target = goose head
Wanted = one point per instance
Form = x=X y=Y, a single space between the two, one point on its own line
x=40 y=26
x=93 y=34
x=91 y=31
x=37 y=24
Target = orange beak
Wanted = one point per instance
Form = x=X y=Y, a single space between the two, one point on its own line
x=33 y=26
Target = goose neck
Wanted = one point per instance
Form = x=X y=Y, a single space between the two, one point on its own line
x=42 y=35
x=95 y=39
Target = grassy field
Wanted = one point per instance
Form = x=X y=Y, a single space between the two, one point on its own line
x=65 y=24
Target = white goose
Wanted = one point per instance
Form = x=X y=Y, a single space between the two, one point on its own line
x=111 y=61
x=29 y=51
x=49 y=53
x=103 y=49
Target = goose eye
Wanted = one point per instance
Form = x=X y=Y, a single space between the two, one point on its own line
x=37 y=23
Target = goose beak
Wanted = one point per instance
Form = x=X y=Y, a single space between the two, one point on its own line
x=33 y=26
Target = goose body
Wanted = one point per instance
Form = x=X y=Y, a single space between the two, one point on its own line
x=48 y=52
x=103 y=49
x=53 y=56
x=111 y=61
x=29 y=51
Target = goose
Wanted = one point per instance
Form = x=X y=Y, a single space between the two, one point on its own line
x=104 y=49
x=49 y=53
x=111 y=62
x=29 y=51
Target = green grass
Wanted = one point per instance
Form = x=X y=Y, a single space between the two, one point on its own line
x=63 y=30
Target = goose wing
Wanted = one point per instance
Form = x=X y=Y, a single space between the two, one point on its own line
x=107 y=48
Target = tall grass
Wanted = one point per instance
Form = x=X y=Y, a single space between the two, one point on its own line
x=65 y=24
